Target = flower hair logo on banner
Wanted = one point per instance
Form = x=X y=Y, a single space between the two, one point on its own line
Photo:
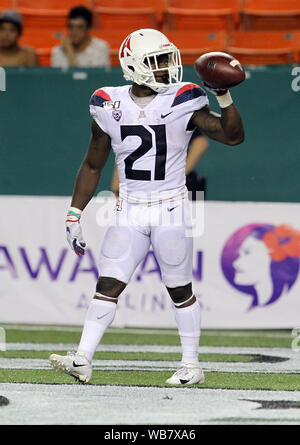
x=262 y=261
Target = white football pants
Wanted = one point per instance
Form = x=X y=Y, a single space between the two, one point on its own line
x=134 y=227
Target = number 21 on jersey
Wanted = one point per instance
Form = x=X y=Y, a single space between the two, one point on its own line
x=146 y=145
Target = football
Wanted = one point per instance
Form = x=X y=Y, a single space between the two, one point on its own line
x=219 y=70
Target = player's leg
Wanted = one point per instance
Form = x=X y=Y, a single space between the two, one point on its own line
x=122 y=250
x=188 y=320
x=173 y=248
x=100 y=314
x=187 y=316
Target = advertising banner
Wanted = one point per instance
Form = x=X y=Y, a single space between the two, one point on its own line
x=245 y=266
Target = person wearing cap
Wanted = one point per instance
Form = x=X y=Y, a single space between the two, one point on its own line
x=11 y=53
x=78 y=48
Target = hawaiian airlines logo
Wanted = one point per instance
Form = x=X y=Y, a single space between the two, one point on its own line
x=126 y=50
x=262 y=260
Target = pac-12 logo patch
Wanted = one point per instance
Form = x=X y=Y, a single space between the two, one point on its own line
x=117 y=114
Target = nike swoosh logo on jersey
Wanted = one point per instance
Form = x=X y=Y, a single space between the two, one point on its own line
x=165 y=115
x=75 y=365
x=170 y=210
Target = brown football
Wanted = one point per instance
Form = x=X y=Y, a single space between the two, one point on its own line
x=219 y=70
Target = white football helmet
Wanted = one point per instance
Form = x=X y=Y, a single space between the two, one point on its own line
x=139 y=54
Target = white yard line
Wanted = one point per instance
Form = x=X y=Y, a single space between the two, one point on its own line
x=112 y=405
x=286 y=352
x=290 y=365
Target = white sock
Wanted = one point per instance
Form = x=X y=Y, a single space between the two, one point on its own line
x=189 y=329
x=99 y=316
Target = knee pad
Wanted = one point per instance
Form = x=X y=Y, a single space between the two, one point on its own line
x=171 y=247
x=116 y=242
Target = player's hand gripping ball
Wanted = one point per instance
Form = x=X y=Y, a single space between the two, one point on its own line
x=219 y=71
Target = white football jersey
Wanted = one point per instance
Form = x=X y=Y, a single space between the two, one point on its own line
x=150 y=143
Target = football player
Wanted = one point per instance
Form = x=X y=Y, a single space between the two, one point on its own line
x=148 y=124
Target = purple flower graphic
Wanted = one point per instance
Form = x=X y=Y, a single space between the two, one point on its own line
x=248 y=265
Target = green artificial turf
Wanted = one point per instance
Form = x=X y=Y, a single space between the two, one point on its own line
x=117 y=338
x=216 y=380
x=155 y=356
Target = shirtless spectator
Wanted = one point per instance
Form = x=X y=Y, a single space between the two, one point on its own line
x=11 y=53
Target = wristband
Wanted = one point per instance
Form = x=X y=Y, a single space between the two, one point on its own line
x=225 y=100
x=74 y=214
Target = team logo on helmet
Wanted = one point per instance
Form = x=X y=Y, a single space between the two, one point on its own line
x=126 y=47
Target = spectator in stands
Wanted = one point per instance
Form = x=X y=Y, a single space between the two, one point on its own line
x=197 y=147
x=78 y=48
x=11 y=53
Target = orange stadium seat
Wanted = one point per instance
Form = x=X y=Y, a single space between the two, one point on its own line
x=42 y=41
x=125 y=18
x=193 y=44
x=157 y=6
x=264 y=47
x=52 y=4
x=205 y=16
x=7 y=4
x=270 y=15
x=47 y=13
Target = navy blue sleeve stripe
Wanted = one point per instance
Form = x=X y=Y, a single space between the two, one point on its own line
x=97 y=100
x=188 y=95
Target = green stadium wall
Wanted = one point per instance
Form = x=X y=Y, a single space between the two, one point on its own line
x=45 y=129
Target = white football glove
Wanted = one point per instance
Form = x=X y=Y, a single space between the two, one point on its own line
x=74 y=232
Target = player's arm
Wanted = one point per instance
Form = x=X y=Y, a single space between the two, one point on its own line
x=89 y=173
x=85 y=185
x=226 y=127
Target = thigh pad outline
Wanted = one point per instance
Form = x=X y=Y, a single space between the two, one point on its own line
x=116 y=242
x=171 y=247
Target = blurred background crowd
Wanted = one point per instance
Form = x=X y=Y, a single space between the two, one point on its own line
x=51 y=33
x=76 y=48
x=61 y=34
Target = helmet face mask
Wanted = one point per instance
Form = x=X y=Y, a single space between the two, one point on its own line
x=142 y=60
